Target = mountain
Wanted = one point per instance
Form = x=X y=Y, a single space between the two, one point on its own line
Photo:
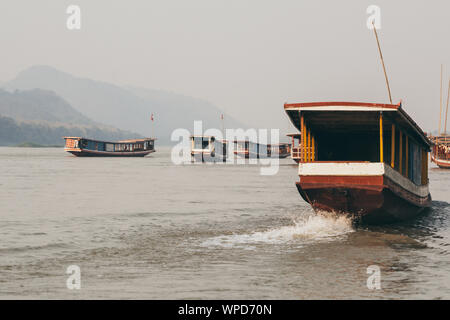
x=127 y=108
x=41 y=117
x=13 y=132
x=39 y=104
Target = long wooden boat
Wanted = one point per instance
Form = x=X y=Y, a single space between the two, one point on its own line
x=208 y=149
x=246 y=149
x=249 y=149
x=440 y=152
x=279 y=150
x=366 y=160
x=83 y=147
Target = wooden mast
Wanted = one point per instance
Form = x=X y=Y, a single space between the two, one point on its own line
x=382 y=62
x=440 y=105
x=446 y=111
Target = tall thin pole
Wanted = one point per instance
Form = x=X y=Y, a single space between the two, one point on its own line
x=153 y=125
x=446 y=108
x=440 y=104
x=382 y=62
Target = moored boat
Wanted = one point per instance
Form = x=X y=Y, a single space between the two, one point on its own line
x=440 y=152
x=296 y=147
x=247 y=149
x=83 y=147
x=365 y=160
x=278 y=150
x=208 y=149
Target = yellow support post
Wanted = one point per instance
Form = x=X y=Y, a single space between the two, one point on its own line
x=302 y=137
x=400 y=152
x=407 y=157
x=393 y=146
x=306 y=144
x=309 y=145
x=313 y=150
x=381 y=137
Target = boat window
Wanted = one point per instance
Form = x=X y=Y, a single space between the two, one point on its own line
x=201 y=143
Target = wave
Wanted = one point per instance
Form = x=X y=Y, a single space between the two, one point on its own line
x=319 y=227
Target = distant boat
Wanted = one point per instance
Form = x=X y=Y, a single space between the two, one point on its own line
x=296 y=147
x=248 y=149
x=279 y=150
x=440 y=153
x=208 y=149
x=365 y=160
x=83 y=147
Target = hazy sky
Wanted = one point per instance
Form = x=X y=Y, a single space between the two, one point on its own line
x=246 y=57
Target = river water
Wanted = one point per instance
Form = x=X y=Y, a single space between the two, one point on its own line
x=145 y=228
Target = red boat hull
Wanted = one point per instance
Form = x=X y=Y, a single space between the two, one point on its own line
x=92 y=153
x=369 y=199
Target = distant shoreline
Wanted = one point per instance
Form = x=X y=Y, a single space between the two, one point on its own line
x=34 y=145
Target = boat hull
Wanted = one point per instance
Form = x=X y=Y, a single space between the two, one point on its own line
x=92 y=153
x=441 y=163
x=370 y=199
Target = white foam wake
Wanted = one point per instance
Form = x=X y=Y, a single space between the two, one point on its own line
x=310 y=228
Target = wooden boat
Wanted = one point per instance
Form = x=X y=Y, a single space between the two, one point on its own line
x=278 y=150
x=83 y=147
x=440 y=152
x=366 y=160
x=208 y=149
x=296 y=146
x=249 y=149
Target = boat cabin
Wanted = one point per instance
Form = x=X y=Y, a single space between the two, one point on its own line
x=249 y=149
x=279 y=150
x=361 y=132
x=208 y=149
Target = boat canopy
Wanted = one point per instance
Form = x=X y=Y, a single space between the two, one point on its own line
x=361 y=132
x=354 y=117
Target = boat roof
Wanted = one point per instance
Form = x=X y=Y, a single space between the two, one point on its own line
x=202 y=136
x=353 y=116
x=120 y=141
